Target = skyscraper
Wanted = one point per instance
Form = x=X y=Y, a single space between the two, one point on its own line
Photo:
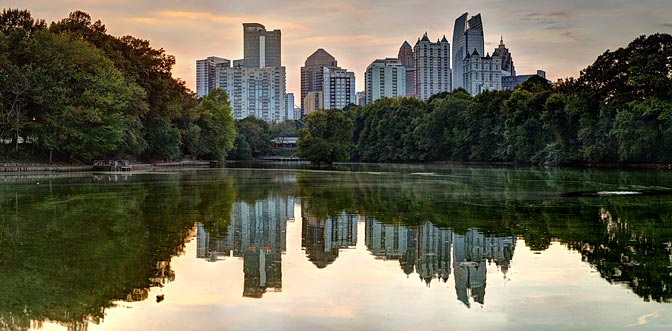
x=385 y=78
x=407 y=59
x=256 y=85
x=261 y=48
x=312 y=75
x=206 y=70
x=467 y=36
x=432 y=67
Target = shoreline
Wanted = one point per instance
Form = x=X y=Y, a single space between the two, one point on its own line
x=28 y=168
x=19 y=168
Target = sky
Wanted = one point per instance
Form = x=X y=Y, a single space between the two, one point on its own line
x=559 y=37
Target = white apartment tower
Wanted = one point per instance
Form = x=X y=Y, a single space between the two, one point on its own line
x=385 y=78
x=432 y=67
x=482 y=73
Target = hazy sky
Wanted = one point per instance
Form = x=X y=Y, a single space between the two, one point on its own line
x=560 y=37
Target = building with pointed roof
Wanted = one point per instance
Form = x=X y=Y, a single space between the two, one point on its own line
x=432 y=67
x=407 y=59
x=481 y=73
x=508 y=69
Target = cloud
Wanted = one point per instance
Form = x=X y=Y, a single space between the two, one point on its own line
x=667 y=25
x=550 y=21
x=201 y=16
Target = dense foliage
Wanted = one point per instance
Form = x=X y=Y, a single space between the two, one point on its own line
x=325 y=137
x=618 y=110
x=73 y=89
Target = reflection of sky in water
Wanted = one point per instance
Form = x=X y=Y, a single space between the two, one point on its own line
x=362 y=289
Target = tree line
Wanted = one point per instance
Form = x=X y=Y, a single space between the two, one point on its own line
x=619 y=110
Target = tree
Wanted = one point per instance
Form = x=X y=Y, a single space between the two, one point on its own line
x=254 y=135
x=217 y=130
x=83 y=105
x=325 y=138
x=163 y=139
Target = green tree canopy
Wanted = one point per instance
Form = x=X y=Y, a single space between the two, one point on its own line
x=325 y=138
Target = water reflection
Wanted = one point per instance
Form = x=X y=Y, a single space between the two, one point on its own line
x=72 y=248
x=257 y=233
x=322 y=238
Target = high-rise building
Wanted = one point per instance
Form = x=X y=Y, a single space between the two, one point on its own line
x=261 y=48
x=289 y=110
x=256 y=85
x=407 y=59
x=467 y=36
x=385 y=78
x=508 y=69
x=206 y=70
x=339 y=88
x=432 y=67
x=482 y=73
x=312 y=75
x=258 y=92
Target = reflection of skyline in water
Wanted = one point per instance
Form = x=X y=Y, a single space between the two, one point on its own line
x=426 y=249
x=257 y=234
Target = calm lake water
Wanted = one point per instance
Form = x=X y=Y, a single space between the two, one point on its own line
x=352 y=248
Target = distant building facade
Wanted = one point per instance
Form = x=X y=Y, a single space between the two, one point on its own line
x=312 y=74
x=432 y=67
x=206 y=74
x=467 y=36
x=258 y=92
x=339 y=88
x=360 y=98
x=385 y=78
x=510 y=82
x=314 y=101
x=482 y=73
x=407 y=59
x=289 y=109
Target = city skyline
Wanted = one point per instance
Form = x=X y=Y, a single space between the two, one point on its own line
x=560 y=38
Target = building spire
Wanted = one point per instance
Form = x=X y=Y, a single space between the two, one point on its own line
x=501 y=40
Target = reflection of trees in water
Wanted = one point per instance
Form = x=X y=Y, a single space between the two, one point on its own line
x=633 y=249
x=70 y=248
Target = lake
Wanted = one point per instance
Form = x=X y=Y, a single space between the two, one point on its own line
x=354 y=247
